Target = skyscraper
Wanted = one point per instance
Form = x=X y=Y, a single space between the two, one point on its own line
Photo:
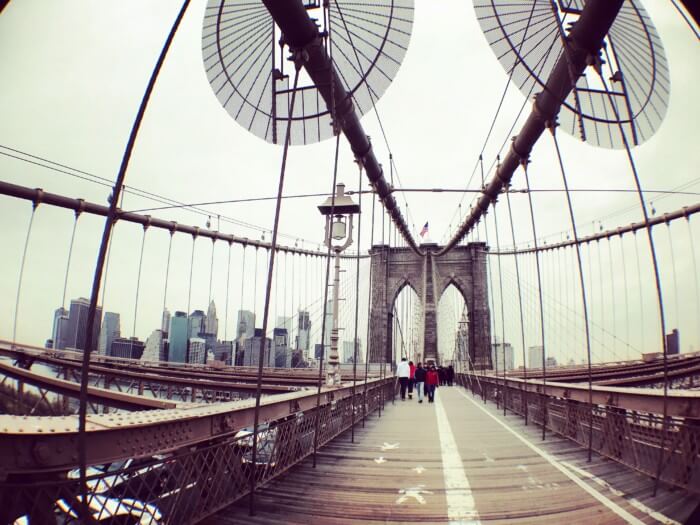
x=502 y=355
x=77 y=324
x=155 y=347
x=210 y=329
x=177 y=338
x=195 y=324
x=60 y=328
x=165 y=321
x=282 y=352
x=251 y=354
x=329 y=324
x=349 y=350
x=198 y=351
x=110 y=331
x=129 y=348
x=303 y=342
x=534 y=357
x=246 y=324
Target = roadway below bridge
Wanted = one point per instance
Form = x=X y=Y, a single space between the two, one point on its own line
x=458 y=460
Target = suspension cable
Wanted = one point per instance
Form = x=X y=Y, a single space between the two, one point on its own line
x=268 y=287
x=357 y=308
x=552 y=129
x=369 y=319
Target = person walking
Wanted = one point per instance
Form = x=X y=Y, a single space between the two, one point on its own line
x=450 y=375
x=403 y=372
x=431 y=382
x=411 y=378
x=419 y=378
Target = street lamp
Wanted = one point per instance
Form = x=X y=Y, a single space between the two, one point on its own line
x=338 y=210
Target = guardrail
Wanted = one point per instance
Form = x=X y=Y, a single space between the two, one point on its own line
x=626 y=423
x=167 y=466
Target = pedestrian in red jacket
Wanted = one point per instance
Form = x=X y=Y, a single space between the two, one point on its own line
x=411 y=378
x=431 y=382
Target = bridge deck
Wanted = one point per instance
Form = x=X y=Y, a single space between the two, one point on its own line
x=458 y=461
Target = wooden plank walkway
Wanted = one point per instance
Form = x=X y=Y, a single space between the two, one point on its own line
x=457 y=461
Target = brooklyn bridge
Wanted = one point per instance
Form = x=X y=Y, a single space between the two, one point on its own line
x=330 y=262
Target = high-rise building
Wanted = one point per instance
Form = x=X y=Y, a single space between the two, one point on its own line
x=251 y=353
x=195 y=324
x=318 y=351
x=224 y=352
x=60 y=328
x=349 y=350
x=127 y=347
x=502 y=355
x=110 y=331
x=282 y=352
x=672 y=342
x=197 y=353
x=155 y=347
x=534 y=357
x=165 y=322
x=210 y=328
x=77 y=324
x=246 y=324
x=177 y=338
x=303 y=339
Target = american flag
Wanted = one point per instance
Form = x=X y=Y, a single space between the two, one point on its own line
x=424 y=230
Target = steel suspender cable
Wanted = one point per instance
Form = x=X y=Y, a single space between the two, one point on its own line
x=357 y=309
x=138 y=281
x=503 y=318
x=268 y=286
x=627 y=310
x=524 y=398
x=657 y=277
x=99 y=266
x=167 y=272
x=583 y=287
x=695 y=272
x=21 y=271
x=539 y=293
x=369 y=318
x=58 y=335
x=675 y=282
x=228 y=282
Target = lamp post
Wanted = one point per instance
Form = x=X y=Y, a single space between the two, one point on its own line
x=338 y=210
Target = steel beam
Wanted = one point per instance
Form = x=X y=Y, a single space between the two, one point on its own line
x=301 y=34
x=584 y=44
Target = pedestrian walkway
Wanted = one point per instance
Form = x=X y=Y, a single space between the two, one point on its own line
x=457 y=461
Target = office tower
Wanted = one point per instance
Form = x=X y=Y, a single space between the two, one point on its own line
x=349 y=350
x=246 y=324
x=77 y=324
x=48 y=343
x=251 y=353
x=673 y=344
x=329 y=324
x=127 y=347
x=177 y=338
x=502 y=355
x=534 y=357
x=60 y=328
x=155 y=347
x=211 y=327
x=165 y=322
x=318 y=351
x=110 y=331
x=198 y=351
x=195 y=324
x=224 y=352
x=303 y=339
x=282 y=352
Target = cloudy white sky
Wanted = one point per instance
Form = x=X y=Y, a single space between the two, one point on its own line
x=73 y=73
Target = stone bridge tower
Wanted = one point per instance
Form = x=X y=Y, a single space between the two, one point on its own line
x=429 y=276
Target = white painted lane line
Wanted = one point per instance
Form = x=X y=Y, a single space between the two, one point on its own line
x=629 y=518
x=461 y=509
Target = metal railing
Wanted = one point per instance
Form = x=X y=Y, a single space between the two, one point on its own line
x=627 y=427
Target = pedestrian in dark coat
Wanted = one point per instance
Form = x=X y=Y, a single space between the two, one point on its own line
x=450 y=375
x=431 y=383
x=420 y=381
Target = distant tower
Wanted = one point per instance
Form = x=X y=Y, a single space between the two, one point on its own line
x=177 y=337
x=303 y=342
x=246 y=324
x=165 y=322
x=211 y=324
x=77 y=324
x=110 y=331
x=195 y=324
x=60 y=328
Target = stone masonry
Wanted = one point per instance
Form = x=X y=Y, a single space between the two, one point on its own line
x=429 y=276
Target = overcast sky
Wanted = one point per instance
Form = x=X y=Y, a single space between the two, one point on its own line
x=73 y=74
